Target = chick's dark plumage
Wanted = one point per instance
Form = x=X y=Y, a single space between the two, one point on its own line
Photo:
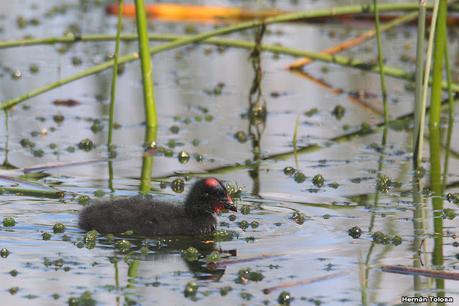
x=148 y=217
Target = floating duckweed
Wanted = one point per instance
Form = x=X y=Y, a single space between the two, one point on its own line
x=298 y=217
x=284 y=298
x=83 y=199
x=65 y=238
x=58 y=118
x=338 y=112
x=76 y=61
x=299 y=177
x=420 y=172
x=318 y=180
x=34 y=68
x=90 y=237
x=244 y=224
x=246 y=274
x=333 y=185
x=38 y=153
x=99 y=193
x=383 y=183
x=26 y=143
x=16 y=74
x=191 y=289
x=213 y=257
x=46 y=236
x=241 y=136
x=234 y=191
x=58 y=228
x=86 y=145
x=178 y=185
x=326 y=216
x=208 y=118
x=222 y=235
x=355 y=232
x=246 y=295
x=85 y=299
x=183 y=157
x=452 y=198
x=172 y=143
x=289 y=171
x=198 y=157
x=225 y=290
x=70 y=149
x=449 y=214
x=380 y=237
x=195 y=142
x=245 y=209
x=396 y=240
x=53 y=146
x=254 y=224
x=191 y=254
x=174 y=129
x=21 y=22
x=232 y=217
x=311 y=112
x=9 y=221
x=14 y=273
x=4 y=252
x=97 y=126
x=365 y=128
x=123 y=246
x=13 y=290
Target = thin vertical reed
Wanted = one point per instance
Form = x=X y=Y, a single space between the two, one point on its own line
x=147 y=68
x=115 y=73
x=381 y=61
x=418 y=98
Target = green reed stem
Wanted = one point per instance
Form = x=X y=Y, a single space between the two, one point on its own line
x=418 y=98
x=147 y=67
x=435 y=138
x=203 y=36
x=381 y=61
x=33 y=192
x=451 y=113
x=115 y=73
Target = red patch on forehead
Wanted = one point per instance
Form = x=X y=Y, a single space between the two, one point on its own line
x=211 y=182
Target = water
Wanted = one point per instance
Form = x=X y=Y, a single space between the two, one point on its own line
x=51 y=272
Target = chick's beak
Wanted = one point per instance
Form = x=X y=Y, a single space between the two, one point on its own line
x=228 y=204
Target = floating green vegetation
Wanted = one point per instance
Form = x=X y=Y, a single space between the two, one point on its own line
x=85 y=299
x=83 y=199
x=318 y=180
x=191 y=289
x=86 y=145
x=299 y=177
x=355 y=232
x=46 y=236
x=284 y=298
x=241 y=136
x=4 y=252
x=14 y=273
x=178 y=185
x=191 y=254
x=175 y=129
x=214 y=256
x=225 y=290
x=452 y=198
x=232 y=217
x=90 y=239
x=99 y=193
x=244 y=224
x=58 y=228
x=245 y=209
x=383 y=183
x=13 y=290
x=123 y=246
x=449 y=213
x=58 y=118
x=222 y=235
x=27 y=143
x=96 y=126
x=9 y=222
x=183 y=157
x=38 y=153
x=289 y=171
x=381 y=238
x=246 y=274
x=298 y=217
x=311 y=112
x=338 y=112
x=234 y=191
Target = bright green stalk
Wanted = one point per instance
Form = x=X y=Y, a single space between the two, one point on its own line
x=381 y=61
x=451 y=113
x=418 y=98
x=33 y=192
x=435 y=139
x=115 y=73
x=147 y=67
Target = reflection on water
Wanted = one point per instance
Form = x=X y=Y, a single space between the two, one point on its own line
x=205 y=95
